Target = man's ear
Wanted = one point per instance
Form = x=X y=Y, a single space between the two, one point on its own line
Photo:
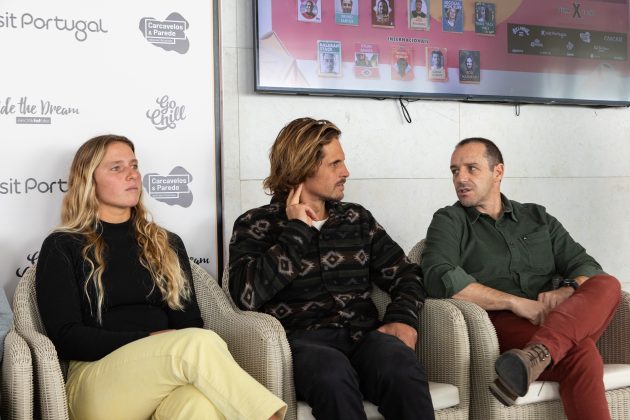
x=498 y=171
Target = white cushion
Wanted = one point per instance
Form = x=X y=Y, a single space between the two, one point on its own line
x=442 y=395
x=615 y=377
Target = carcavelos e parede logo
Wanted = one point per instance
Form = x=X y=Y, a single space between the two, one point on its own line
x=80 y=27
x=167 y=113
x=171 y=189
x=38 y=111
x=168 y=34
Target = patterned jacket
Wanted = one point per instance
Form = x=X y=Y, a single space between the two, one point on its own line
x=311 y=279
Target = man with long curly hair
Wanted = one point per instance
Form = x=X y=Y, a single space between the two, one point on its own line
x=311 y=260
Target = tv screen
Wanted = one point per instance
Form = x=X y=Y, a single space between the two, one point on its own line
x=539 y=51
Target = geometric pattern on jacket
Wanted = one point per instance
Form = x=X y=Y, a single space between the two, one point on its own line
x=310 y=279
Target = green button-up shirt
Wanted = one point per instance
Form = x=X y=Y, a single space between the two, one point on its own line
x=518 y=253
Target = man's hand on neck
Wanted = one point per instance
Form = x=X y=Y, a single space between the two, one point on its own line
x=297 y=210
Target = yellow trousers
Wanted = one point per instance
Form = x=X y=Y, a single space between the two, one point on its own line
x=183 y=374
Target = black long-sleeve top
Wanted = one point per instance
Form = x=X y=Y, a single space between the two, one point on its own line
x=132 y=309
x=311 y=279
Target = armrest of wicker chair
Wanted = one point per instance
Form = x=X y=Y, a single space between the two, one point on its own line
x=17 y=379
x=444 y=347
x=484 y=350
x=614 y=344
x=50 y=388
x=257 y=341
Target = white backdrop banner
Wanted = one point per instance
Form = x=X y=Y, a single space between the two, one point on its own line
x=71 y=70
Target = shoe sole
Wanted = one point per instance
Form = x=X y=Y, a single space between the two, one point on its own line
x=512 y=373
x=502 y=393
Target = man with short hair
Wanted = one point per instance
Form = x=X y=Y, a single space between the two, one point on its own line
x=328 y=62
x=308 y=10
x=436 y=60
x=346 y=6
x=505 y=256
x=311 y=261
x=418 y=10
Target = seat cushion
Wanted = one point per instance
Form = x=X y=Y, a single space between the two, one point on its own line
x=615 y=377
x=442 y=395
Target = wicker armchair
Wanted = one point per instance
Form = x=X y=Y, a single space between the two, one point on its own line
x=253 y=344
x=441 y=327
x=48 y=373
x=542 y=402
x=17 y=379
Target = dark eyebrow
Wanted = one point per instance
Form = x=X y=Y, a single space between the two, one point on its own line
x=465 y=164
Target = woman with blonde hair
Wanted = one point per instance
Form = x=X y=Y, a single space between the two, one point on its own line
x=115 y=295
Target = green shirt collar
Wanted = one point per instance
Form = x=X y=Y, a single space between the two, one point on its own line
x=473 y=214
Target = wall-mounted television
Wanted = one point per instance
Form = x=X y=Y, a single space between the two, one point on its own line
x=522 y=51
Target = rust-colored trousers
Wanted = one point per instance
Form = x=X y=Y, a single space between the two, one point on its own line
x=570 y=332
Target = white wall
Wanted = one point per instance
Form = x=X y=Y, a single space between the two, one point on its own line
x=112 y=79
x=573 y=160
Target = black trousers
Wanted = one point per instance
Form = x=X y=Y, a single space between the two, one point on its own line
x=334 y=374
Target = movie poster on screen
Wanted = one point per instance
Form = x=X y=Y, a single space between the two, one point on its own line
x=436 y=64
x=309 y=11
x=469 y=66
x=402 y=63
x=418 y=14
x=452 y=16
x=366 y=57
x=485 y=19
x=347 y=12
x=329 y=58
x=383 y=13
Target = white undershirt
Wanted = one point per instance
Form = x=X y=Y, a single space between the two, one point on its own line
x=317 y=224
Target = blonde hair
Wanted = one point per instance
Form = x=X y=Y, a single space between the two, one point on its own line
x=79 y=215
x=297 y=153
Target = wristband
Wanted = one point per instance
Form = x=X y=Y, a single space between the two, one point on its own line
x=558 y=283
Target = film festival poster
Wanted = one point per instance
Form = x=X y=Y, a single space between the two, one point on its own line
x=347 y=12
x=436 y=64
x=366 y=61
x=329 y=58
x=469 y=66
x=419 y=14
x=309 y=11
x=402 y=63
x=485 y=19
x=383 y=13
x=452 y=16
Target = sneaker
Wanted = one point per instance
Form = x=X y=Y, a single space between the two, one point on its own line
x=516 y=370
